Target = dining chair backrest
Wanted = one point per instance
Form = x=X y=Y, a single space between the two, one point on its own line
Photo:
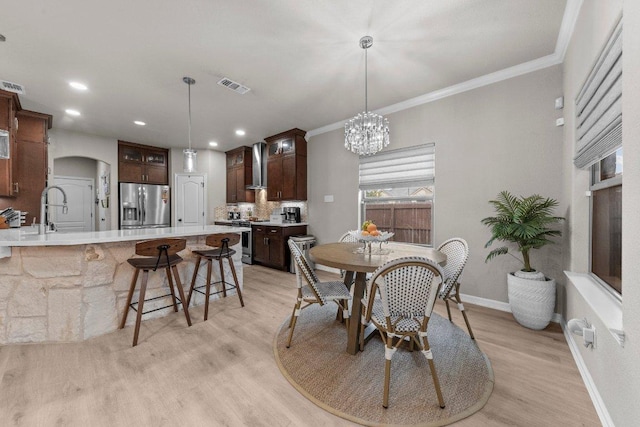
x=457 y=251
x=348 y=238
x=162 y=249
x=223 y=241
x=303 y=270
x=408 y=287
x=156 y=246
x=216 y=240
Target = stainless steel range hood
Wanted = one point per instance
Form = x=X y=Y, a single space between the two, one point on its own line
x=259 y=163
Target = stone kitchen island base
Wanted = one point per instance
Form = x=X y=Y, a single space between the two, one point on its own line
x=75 y=292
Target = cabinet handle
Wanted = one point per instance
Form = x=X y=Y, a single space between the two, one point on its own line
x=274 y=231
x=16 y=189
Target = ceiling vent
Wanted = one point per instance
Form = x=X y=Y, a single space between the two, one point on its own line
x=12 y=87
x=234 y=86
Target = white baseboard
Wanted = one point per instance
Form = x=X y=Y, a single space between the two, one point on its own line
x=498 y=305
x=598 y=403
x=485 y=302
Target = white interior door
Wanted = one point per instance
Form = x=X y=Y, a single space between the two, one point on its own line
x=80 y=203
x=190 y=197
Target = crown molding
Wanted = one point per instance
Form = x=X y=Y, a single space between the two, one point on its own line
x=567 y=26
x=569 y=19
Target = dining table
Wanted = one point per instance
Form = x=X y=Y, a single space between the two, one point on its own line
x=359 y=259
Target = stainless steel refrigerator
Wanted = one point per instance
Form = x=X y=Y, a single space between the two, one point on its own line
x=144 y=206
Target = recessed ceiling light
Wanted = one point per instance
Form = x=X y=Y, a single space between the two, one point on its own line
x=213 y=143
x=2 y=38
x=71 y=112
x=240 y=132
x=78 y=86
x=139 y=123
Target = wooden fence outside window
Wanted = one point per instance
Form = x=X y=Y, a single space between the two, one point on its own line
x=411 y=222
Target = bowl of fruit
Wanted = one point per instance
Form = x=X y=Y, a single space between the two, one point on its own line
x=369 y=233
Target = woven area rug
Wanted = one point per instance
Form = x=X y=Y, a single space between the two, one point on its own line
x=350 y=387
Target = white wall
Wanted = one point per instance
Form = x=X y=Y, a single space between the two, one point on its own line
x=81 y=167
x=76 y=144
x=498 y=137
x=614 y=369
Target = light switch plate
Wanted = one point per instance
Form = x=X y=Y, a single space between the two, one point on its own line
x=559 y=104
x=328 y=198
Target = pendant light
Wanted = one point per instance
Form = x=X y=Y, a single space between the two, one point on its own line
x=190 y=159
x=367 y=133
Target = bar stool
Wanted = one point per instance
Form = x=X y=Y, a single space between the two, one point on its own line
x=222 y=243
x=158 y=253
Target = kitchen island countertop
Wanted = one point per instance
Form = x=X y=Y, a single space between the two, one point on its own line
x=265 y=223
x=26 y=236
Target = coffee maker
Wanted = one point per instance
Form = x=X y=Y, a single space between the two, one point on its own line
x=291 y=215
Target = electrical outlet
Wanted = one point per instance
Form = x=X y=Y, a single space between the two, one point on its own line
x=589 y=335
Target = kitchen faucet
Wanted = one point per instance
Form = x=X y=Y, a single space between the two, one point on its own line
x=44 y=225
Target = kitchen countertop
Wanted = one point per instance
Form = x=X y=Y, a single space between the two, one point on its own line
x=268 y=223
x=26 y=236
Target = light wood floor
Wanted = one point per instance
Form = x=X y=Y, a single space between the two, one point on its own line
x=222 y=372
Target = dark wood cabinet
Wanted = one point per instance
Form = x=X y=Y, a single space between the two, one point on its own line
x=239 y=175
x=142 y=163
x=32 y=137
x=270 y=247
x=9 y=105
x=287 y=166
x=31 y=162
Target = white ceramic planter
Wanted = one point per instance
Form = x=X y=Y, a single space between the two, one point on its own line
x=532 y=301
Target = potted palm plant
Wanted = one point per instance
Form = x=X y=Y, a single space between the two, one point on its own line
x=525 y=223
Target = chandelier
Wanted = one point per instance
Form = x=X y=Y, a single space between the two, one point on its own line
x=190 y=156
x=367 y=133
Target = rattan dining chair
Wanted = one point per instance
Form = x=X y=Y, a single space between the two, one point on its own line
x=312 y=291
x=347 y=238
x=457 y=252
x=407 y=289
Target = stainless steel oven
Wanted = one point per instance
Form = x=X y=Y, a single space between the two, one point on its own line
x=247 y=257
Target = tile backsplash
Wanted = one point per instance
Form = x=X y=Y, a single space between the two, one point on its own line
x=261 y=208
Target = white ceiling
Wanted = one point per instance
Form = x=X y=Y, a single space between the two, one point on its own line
x=300 y=58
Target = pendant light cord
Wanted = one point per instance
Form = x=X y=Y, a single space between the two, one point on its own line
x=366 y=100
x=189 y=84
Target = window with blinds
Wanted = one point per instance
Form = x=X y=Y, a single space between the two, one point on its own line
x=599 y=148
x=396 y=192
x=414 y=166
x=599 y=106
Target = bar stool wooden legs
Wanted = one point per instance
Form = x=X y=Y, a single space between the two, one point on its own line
x=222 y=243
x=161 y=253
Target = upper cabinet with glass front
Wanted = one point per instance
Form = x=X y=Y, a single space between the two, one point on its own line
x=142 y=164
x=287 y=166
x=239 y=175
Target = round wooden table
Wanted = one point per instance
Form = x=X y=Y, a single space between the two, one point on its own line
x=345 y=256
